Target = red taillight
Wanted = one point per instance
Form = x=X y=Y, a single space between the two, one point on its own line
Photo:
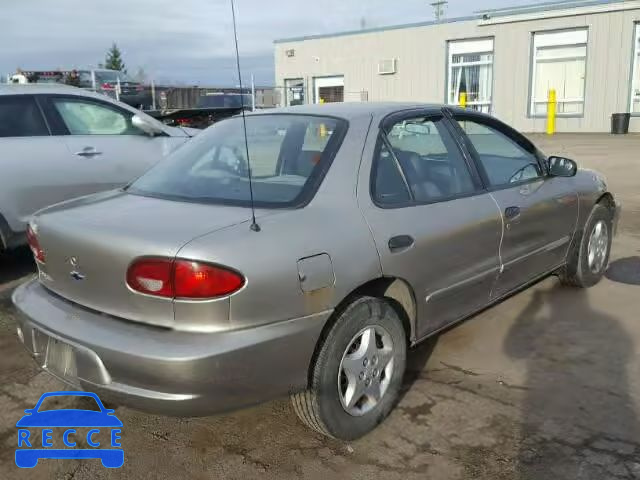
x=34 y=244
x=182 y=279
x=107 y=86
x=152 y=276
x=201 y=280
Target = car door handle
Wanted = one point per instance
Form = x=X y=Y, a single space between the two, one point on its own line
x=88 y=152
x=511 y=213
x=400 y=243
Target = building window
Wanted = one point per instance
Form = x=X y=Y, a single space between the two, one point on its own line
x=635 y=84
x=471 y=72
x=294 y=91
x=328 y=89
x=559 y=63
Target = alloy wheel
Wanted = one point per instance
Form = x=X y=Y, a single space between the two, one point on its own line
x=597 y=247
x=365 y=370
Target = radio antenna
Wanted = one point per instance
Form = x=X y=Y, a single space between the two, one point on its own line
x=254 y=226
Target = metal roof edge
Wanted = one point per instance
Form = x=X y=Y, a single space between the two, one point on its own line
x=546 y=7
x=379 y=29
x=478 y=15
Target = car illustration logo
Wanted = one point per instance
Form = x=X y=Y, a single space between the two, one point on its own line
x=75 y=273
x=74 y=425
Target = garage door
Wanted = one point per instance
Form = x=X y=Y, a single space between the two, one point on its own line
x=329 y=89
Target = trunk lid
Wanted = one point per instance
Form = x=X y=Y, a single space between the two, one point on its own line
x=90 y=242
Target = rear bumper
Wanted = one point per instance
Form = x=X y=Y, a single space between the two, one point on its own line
x=164 y=371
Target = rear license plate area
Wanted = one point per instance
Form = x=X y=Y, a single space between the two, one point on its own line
x=60 y=360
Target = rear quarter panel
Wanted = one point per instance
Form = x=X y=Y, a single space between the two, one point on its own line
x=330 y=224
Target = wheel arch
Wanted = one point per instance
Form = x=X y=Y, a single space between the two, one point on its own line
x=397 y=291
x=607 y=200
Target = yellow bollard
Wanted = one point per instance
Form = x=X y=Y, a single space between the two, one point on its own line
x=551 y=112
x=463 y=99
x=321 y=102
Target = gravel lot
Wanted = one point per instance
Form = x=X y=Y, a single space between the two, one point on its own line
x=544 y=386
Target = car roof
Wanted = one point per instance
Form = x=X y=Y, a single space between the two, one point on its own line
x=57 y=88
x=39 y=88
x=352 y=110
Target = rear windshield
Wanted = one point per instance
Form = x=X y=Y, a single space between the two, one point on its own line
x=112 y=77
x=289 y=156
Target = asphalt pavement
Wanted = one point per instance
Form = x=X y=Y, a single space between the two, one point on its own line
x=545 y=385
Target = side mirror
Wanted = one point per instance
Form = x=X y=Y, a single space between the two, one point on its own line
x=147 y=127
x=29 y=411
x=562 y=167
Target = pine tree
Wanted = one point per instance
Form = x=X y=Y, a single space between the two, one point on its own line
x=113 y=60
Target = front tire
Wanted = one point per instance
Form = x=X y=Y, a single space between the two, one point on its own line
x=358 y=372
x=589 y=259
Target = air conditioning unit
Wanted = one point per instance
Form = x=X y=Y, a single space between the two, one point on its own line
x=387 y=67
x=290 y=53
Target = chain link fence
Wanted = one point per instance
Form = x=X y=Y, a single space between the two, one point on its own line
x=148 y=95
x=299 y=94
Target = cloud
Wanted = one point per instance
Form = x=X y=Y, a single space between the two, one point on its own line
x=188 y=41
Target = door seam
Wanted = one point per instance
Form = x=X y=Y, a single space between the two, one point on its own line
x=501 y=263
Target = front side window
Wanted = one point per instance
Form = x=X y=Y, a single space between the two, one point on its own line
x=21 y=117
x=559 y=63
x=503 y=159
x=89 y=118
x=289 y=155
x=471 y=73
x=635 y=85
x=422 y=164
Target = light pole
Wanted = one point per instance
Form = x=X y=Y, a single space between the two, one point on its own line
x=438 y=9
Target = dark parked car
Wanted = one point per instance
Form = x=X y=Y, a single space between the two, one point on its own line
x=376 y=226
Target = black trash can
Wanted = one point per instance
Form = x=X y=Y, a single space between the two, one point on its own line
x=620 y=123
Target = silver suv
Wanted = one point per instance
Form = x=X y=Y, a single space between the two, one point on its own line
x=59 y=142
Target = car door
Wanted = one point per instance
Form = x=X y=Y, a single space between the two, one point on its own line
x=432 y=223
x=539 y=211
x=30 y=159
x=106 y=150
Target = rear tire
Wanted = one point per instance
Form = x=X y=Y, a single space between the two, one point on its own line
x=362 y=357
x=589 y=258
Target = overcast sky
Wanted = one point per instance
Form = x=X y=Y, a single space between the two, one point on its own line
x=189 y=41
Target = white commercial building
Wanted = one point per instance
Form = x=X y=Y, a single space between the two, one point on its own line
x=505 y=61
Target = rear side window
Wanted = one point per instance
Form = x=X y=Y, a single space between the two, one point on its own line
x=289 y=155
x=389 y=186
x=21 y=117
x=424 y=158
